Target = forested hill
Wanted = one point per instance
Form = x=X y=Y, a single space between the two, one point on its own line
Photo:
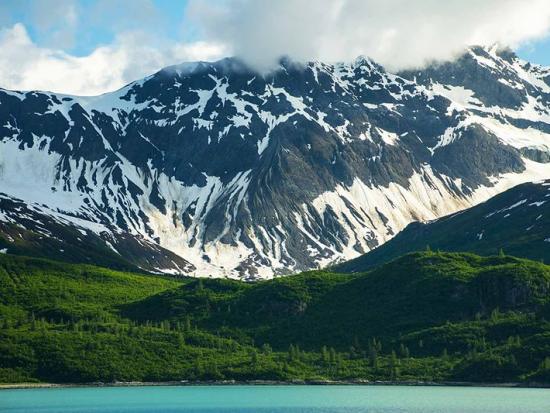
x=425 y=316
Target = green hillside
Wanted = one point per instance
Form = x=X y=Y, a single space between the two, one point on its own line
x=424 y=316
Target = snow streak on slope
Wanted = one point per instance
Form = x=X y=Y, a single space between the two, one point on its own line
x=379 y=213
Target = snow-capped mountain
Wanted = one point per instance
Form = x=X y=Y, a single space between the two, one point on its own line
x=246 y=175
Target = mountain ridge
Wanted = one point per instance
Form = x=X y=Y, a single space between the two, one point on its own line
x=514 y=221
x=249 y=177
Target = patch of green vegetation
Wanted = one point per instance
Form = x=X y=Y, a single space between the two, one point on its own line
x=425 y=316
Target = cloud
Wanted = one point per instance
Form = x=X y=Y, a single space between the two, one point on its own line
x=133 y=55
x=141 y=39
x=396 y=33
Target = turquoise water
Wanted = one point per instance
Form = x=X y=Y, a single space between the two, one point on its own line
x=278 y=399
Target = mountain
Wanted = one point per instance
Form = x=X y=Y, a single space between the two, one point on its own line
x=246 y=175
x=425 y=316
x=516 y=221
x=37 y=231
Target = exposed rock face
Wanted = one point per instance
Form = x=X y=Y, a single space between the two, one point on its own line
x=250 y=176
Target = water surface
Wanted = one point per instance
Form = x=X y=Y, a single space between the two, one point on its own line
x=277 y=399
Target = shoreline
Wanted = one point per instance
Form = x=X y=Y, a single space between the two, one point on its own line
x=184 y=383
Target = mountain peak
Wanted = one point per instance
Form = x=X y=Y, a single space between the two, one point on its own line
x=249 y=175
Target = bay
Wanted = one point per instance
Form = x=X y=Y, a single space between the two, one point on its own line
x=277 y=399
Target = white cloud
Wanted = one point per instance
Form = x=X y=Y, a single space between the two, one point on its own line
x=396 y=33
x=26 y=66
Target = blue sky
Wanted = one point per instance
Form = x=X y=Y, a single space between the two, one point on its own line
x=536 y=52
x=98 y=22
x=93 y=46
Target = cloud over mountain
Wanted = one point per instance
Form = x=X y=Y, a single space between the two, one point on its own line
x=120 y=44
x=26 y=66
x=397 y=33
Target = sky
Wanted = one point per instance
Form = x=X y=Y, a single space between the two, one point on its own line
x=88 y=47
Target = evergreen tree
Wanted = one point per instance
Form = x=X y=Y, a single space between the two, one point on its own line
x=291 y=353
x=373 y=354
x=495 y=315
x=403 y=351
x=254 y=358
x=325 y=357
x=181 y=340
x=266 y=348
x=200 y=285
x=393 y=364
x=332 y=355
